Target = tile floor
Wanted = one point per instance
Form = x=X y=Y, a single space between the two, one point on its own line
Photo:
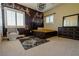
x=56 y=47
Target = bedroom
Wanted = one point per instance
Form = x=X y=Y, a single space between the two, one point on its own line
x=34 y=26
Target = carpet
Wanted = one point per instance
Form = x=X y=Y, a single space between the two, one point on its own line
x=32 y=41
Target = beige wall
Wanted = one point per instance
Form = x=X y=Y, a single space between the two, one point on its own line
x=61 y=10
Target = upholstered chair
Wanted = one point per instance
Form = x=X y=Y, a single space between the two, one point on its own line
x=12 y=33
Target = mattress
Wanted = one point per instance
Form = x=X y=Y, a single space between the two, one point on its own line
x=44 y=30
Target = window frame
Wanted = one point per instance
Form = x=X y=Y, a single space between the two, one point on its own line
x=1 y=29
x=23 y=19
x=5 y=16
x=49 y=19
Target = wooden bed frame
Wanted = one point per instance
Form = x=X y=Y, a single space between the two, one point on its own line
x=44 y=33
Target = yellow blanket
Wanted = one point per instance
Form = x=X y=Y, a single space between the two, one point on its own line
x=44 y=30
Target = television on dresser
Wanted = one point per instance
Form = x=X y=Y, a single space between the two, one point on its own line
x=71 y=20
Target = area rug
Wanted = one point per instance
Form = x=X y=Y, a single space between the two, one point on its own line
x=31 y=42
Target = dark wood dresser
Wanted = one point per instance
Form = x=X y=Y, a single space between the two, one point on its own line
x=69 y=32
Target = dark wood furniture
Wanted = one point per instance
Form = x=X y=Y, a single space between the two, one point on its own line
x=23 y=31
x=69 y=32
x=44 y=34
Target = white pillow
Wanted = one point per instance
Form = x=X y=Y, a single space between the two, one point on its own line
x=40 y=28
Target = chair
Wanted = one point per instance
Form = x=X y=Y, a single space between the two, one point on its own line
x=12 y=33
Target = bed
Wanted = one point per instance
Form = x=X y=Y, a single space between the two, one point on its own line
x=44 y=33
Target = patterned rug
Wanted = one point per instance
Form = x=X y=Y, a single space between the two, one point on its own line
x=31 y=41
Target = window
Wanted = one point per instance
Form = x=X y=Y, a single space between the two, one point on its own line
x=14 y=18
x=10 y=18
x=0 y=21
x=0 y=18
x=20 y=17
x=49 y=19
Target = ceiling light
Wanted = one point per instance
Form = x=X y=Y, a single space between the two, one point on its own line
x=41 y=6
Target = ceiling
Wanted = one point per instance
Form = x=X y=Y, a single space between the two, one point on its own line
x=34 y=6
